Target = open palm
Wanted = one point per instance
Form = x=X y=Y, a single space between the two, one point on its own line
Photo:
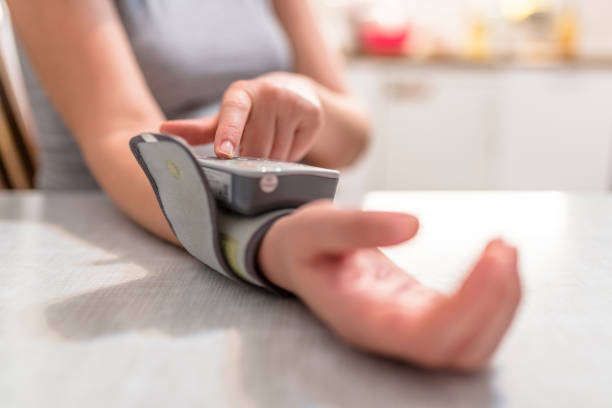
x=329 y=258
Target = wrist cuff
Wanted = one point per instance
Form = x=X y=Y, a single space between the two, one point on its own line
x=224 y=241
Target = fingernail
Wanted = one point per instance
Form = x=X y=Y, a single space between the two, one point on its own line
x=227 y=148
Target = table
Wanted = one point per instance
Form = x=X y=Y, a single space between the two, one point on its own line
x=96 y=312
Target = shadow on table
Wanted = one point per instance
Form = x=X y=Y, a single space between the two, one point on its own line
x=286 y=356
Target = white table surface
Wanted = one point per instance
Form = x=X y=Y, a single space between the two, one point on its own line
x=96 y=312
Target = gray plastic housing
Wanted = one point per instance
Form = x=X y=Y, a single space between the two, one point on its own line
x=251 y=186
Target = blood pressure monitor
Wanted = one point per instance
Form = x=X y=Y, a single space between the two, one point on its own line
x=251 y=186
x=191 y=190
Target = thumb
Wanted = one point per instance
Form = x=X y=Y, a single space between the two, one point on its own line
x=331 y=230
x=194 y=131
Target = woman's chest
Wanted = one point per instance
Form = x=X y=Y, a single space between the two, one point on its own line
x=191 y=50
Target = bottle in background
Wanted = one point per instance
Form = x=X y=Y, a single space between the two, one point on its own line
x=567 y=31
x=479 y=39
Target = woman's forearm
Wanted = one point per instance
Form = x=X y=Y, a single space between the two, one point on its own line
x=112 y=163
x=83 y=59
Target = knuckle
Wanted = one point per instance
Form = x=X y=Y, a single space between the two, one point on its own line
x=237 y=102
x=302 y=136
x=293 y=104
x=271 y=90
x=313 y=113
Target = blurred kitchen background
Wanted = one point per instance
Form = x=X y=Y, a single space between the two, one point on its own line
x=464 y=94
x=479 y=94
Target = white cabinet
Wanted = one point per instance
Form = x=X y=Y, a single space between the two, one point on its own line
x=450 y=128
x=435 y=128
x=554 y=130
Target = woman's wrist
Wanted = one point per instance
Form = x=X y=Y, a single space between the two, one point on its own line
x=272 y=257
x=345 y=132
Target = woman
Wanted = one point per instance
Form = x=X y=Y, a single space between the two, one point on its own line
x=111 y=70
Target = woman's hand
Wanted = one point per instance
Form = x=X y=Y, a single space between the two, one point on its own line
x=328 y=258
x=274 y=116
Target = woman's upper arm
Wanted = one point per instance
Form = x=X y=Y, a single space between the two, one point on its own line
x=314 y=57
x=84 y=61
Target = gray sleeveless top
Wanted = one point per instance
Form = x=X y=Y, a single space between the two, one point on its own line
x=190 y=51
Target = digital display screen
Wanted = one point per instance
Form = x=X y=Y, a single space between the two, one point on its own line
x=255 y=164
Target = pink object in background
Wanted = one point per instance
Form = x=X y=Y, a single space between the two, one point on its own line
x=378 y=39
